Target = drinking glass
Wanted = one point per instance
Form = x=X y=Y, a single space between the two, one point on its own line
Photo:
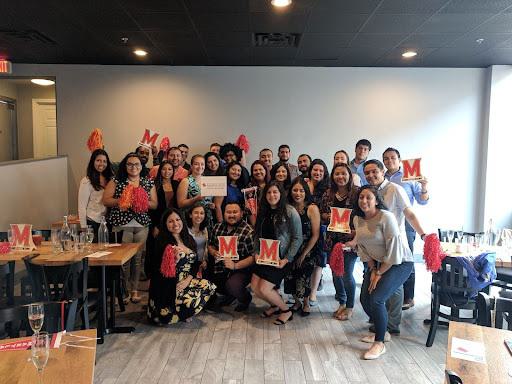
x=479 y=240
x=450 y=235
x=80 y=243
x=460 y=233
x=36 y=316
x=40 y=352
x=56 y=243
x=10 y=238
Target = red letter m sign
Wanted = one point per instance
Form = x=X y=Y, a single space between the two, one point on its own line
x=228 y=246
x=149 y=138
x=340 y=220
x=412 y=169
x=269 y=249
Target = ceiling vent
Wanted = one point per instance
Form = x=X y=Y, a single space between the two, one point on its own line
x=276 y=40
x=27 y=35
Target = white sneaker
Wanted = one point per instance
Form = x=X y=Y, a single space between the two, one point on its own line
x=371 y=338
x=372 y=355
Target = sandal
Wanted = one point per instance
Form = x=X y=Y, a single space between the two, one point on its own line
x=338 y=312
x=266 y=314
x=345 y=315
x=295 y=308
x=135 y=298
x=304 y=313
x=283 y=322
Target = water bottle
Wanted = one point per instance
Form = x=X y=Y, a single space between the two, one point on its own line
x=103 y=234
x=65 y=236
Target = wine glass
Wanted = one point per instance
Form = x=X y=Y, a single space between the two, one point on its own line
x=450 y=234
x=460 y=233
x=36 y=316
x=10 y=238
x=40 y=352
x=89 y=236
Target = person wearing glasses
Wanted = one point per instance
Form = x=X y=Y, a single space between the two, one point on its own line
x=128 y=215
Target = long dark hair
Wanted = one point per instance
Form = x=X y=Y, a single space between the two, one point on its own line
x=240 y=181
x=273 y=172
x=267 y=173
x=378 y=198
x=334 y=186
x=322 y=186
x=264 y=209
x=308 y=198
x=188 y=215
x=165 y=237
x=93 y=175
x=158 y=178
x=122 y=173
x=208 y=171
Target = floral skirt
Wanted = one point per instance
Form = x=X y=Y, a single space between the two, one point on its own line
x=188 y=303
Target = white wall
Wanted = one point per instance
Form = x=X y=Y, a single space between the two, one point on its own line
x=33 y=192
x=434 y=113
x=498 y=182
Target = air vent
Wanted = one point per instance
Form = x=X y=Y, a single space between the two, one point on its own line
x=276 y=40
x=28 y=35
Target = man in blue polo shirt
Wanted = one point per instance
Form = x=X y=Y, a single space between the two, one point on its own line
x=363 y=148
x=416 y=191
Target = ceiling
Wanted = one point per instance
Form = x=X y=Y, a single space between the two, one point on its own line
x=372 y=33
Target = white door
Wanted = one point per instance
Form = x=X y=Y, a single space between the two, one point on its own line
x=45 y=127
x=5 y=133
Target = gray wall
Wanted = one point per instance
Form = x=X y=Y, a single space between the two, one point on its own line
x=432 y=113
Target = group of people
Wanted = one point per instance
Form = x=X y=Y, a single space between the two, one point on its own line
x=163 y=206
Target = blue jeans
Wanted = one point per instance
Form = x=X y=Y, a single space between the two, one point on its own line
x=346 y=286
x=374 y=304
x=409 y=284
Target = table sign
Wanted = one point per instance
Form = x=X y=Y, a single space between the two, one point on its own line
x=228 y=247
x=269 y=252
x=340 y=220
x=251 y=199
x=411 y=169
x=468 y=350
x=22 y=236
x=149 y=139
x=26 y=343
x=214 y=186
x=98 y=254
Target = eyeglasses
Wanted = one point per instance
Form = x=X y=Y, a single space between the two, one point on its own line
x=132 y=165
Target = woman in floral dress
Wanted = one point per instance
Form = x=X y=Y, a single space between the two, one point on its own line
x=175 y=293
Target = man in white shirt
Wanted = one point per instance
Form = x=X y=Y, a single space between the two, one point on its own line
x=396 y=200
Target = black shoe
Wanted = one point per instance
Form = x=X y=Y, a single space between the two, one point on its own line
x=281 y=322
x=304 y=313
x=320 y=285
x=395 y=332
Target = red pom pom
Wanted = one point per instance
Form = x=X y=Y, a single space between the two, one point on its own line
x=165 y=144
x=168 y=266
x=5 y=247
x=433 y=253
x=243 y=143
x=125 y=200
x=337 y=260
x=180 y=173
x=140 y=200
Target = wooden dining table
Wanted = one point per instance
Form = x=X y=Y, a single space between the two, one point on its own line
x=119 y=255
x=497 y=368
x=71 y=363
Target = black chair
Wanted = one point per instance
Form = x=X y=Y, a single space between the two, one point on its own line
x=450 y=288
x=452 y=377
x=7 y=283
x=502 y=308
x=61 y=283
x=58 y=316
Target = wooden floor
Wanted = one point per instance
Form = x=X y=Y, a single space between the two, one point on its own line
x=243 y=348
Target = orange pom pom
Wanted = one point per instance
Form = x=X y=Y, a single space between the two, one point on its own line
x=95 y=140
x=433 y=253
x=165 y=144
x=125 y=200
x=140 y=200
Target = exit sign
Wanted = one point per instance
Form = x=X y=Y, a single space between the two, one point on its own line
x=5 y=66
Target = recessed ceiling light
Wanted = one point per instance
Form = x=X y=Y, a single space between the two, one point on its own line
x=281 y=3
x=140 y=52
x=409 y=54
x=44 y=82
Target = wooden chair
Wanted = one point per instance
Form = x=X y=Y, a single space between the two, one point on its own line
x=58 y=316
x=502 y=308
x=450 y=288
x=61 y=283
